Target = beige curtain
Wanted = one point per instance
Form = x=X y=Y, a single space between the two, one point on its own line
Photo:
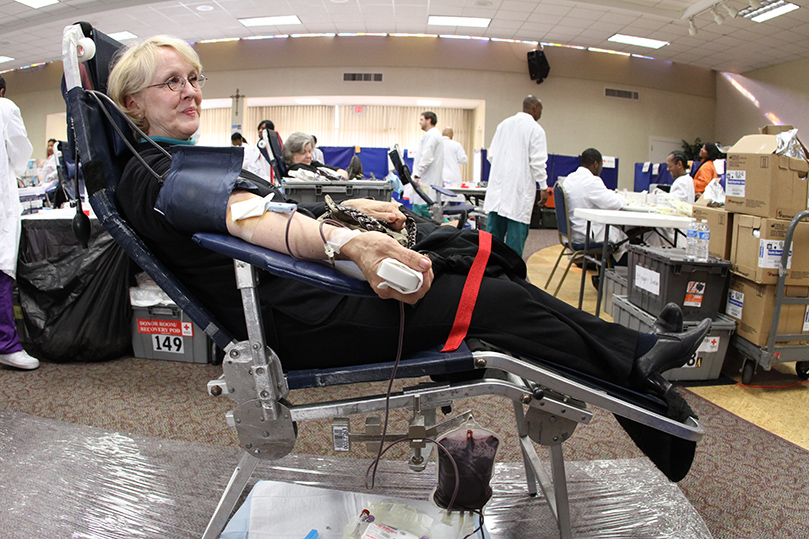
x=370 y=126
x=315 y=120
x=214 y=129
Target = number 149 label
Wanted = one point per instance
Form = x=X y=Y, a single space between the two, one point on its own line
x=168 y=343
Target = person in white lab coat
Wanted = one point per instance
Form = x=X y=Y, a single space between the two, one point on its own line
x=454 y=157
x=428 y=162
x=585 y=189
x=682 y=188
x=518 y=155
x=15 y=150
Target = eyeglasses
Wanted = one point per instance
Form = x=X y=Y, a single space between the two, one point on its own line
x=177 y=83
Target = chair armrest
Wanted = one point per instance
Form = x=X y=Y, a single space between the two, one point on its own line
x=282 y=265
x=443 y=190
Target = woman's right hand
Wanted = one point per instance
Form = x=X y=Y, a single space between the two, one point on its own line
x=369 y=249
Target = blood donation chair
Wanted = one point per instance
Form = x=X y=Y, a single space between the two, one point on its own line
x=438 y=209
x=548 y=402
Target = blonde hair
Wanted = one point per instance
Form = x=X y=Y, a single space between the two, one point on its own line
x=136 y=66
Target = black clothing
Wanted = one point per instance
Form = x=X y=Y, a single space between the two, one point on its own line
x=311 y=328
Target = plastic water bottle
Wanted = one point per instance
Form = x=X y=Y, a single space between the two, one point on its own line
x=703 y=239
x=691 y=235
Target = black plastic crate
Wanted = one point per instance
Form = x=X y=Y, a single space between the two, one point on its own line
x=659 y=275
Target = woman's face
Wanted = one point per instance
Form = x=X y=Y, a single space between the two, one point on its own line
x=170 y=114
x=304 y=157
x=703 y=153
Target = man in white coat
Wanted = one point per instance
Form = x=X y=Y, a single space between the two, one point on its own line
x=454 y=157
x=518 y=155
x=428 y=162
x=15 y=150
x=585 y=189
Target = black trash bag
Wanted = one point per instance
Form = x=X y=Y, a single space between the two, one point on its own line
x=75 y=301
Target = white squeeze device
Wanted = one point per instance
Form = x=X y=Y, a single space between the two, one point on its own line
x=395 y=274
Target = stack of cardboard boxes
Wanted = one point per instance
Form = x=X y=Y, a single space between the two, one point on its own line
x=764 y=191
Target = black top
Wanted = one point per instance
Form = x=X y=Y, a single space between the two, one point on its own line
x=208 y=275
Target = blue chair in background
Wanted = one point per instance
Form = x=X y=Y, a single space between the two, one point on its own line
x=575 y=251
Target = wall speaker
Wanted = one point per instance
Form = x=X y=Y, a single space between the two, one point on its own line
x=538 y=66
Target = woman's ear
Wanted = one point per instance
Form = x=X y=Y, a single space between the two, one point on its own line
x=131 y=103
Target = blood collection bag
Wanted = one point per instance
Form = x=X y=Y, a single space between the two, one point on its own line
x=473 y=449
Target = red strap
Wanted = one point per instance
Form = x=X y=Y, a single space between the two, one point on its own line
x=469 y=296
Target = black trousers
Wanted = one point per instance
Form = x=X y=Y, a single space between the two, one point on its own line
x=509 y=313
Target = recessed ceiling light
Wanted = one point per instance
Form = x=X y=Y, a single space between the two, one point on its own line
x=474 y=22
x=483 y=3
x=220 y=40
x=271 y=21
x=4 y=59
x=122 y=36
x=36 y=4
x=204 y=7
x=772 y=11
x=639 y=41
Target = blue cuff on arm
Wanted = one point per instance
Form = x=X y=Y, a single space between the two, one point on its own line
x=196 y=190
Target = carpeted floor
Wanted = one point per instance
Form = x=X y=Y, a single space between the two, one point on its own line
x=745 y=481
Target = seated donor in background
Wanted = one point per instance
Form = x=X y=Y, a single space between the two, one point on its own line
x=585 y=189
x=312 y=328
x=298 y=156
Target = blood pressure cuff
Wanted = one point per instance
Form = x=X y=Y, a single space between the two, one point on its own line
x=195 y=192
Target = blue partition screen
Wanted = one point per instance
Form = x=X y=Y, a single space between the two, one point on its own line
x=374 y=160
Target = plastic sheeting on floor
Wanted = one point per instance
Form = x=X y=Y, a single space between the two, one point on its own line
x=64 y=480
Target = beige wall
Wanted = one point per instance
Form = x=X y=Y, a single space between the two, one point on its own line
x=676 y=101
x=781 y=90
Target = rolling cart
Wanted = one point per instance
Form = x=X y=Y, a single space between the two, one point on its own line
x=767 y=356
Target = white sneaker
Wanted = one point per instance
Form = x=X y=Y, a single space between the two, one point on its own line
x=20 y=359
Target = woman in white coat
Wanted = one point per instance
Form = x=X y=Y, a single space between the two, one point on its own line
x=15 y=150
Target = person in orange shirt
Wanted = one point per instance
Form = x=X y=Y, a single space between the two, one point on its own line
x=706 y=170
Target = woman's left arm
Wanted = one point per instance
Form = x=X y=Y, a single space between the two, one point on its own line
x=303 y=237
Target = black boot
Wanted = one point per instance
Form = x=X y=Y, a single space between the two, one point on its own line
x=670 y=320
x=672 y=350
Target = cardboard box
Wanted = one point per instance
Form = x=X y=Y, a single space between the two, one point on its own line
x=721 y=225
x=752 y=305
x=757 y=247
x=760 y=182
x=774 y=129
